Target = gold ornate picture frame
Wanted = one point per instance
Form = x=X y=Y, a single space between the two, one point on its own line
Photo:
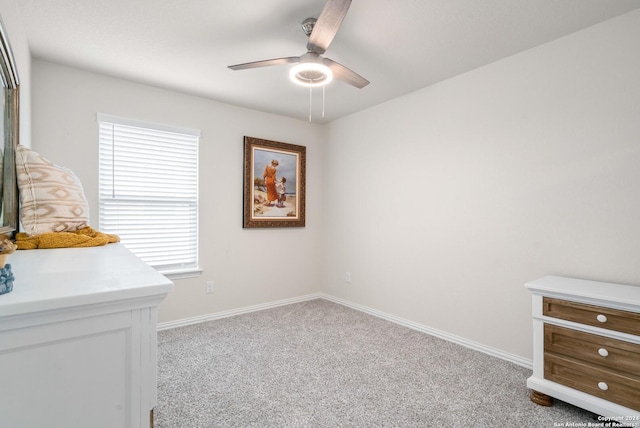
x=274 y=184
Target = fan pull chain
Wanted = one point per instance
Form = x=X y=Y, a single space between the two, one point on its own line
x=323 y=101
x=311 y=100
x=310 y=95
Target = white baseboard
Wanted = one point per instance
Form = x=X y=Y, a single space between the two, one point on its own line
x=244 y=310
x=434 y=332
x=404 y=322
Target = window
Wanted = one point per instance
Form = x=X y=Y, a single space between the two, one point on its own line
x=148 y=186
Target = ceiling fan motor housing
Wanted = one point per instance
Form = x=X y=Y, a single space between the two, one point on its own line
x=311 y=70
x=307 y=25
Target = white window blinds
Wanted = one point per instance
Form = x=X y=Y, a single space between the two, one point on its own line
x=148 y=182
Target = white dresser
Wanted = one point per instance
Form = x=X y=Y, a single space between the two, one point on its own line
x=78 y=344
x=587 y=346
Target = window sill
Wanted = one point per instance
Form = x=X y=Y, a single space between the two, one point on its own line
x=182 y=273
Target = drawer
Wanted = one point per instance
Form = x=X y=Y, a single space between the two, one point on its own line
x=593 y=380
x=611 y=319
x=610 y=353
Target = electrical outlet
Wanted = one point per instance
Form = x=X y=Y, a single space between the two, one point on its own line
x=209 y=287
x=347 y=277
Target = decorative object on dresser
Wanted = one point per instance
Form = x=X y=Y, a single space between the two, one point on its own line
x=587 y=346
x=6 y=279
x=6 y=247
x=6 y=275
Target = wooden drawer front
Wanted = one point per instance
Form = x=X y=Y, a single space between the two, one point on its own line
x=610 y=353
x=611 y=319
x=621 y=389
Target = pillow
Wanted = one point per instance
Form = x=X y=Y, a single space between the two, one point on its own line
x=51 y=196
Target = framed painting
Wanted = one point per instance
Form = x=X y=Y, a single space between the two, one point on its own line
x=274 y=184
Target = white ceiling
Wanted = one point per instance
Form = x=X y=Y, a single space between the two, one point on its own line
x=400 y=46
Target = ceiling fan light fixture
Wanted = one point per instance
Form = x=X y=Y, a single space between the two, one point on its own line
x=311 y=74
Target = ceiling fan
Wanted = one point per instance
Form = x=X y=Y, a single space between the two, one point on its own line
x=312 y=69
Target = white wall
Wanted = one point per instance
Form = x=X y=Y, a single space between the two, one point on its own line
x=444 y=202
x=249 y=266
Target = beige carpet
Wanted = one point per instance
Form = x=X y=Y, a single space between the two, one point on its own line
x=320 y=364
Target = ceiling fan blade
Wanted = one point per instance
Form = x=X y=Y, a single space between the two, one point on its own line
x=342 y=73
x=265 y=63
x=327 y=25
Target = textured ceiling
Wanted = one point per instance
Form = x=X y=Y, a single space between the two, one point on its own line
x=400 y=46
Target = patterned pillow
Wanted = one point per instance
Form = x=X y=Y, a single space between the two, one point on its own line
x=51 y=196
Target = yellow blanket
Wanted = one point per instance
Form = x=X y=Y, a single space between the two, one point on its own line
x=85 y=237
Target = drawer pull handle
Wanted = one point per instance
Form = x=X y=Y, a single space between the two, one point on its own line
x=603 y=352
x=603 y=386
x=601 y=318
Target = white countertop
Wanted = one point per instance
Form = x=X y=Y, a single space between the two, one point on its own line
x=65 y=277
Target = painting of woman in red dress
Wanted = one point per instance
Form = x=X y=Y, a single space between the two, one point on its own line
x=267 y=201
x=269 y=177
